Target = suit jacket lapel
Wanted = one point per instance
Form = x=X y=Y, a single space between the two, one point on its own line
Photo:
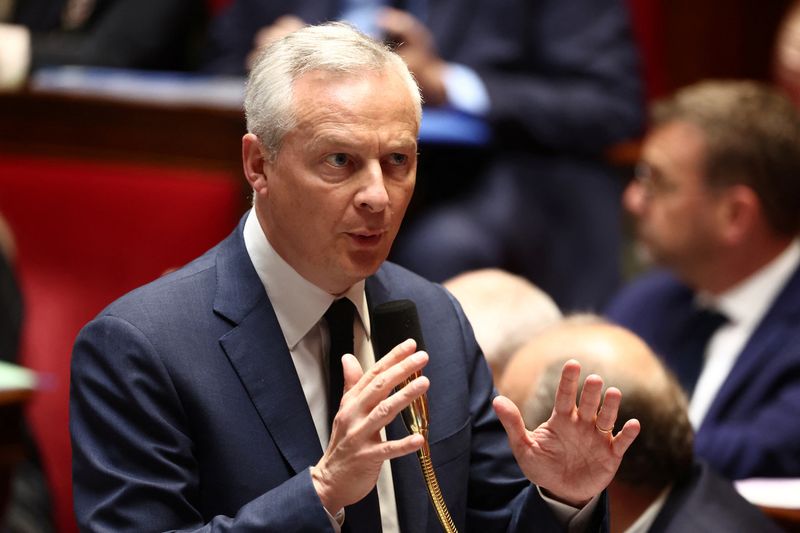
x=409 y=485
x=780 y=321
x=258 y=352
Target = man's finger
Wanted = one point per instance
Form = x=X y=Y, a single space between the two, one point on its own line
x=590 y=398
x=607 y=416
x=392 y=449
x=625 y=437
x=395 y=355
x=567 y=388
x=352 y=371
x=381 y=385
x=390 y=407
x=511 y=419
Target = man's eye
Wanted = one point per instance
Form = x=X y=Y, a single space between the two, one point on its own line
x=337 y=160
x=398 y=159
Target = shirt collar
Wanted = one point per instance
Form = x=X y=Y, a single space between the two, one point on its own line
x=649 y=515
x=299 y=304
x=747 y=302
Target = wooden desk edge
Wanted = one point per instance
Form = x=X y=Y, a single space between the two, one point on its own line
x=12 y=396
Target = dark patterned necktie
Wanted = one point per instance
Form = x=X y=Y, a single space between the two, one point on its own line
x=700 y=326
x=363 y=516
x=340 y=326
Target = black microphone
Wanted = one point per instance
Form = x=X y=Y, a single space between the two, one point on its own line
x=392 y=323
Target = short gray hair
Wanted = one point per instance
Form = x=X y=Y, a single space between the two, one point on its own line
x=332 y=47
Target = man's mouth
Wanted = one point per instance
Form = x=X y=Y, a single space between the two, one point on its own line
x=366 y=238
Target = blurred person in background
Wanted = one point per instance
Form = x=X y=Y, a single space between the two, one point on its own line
x=660 y=486
x=10 y=297
x=140 y=34
x=558 y=82
x=504 y=310
x=716 y=204
x=786 y=54
x=28 y=508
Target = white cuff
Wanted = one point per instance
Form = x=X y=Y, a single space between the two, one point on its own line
x=575 y=520
x=465 y=90
x=336 y=520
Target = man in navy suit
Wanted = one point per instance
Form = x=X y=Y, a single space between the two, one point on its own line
x=660 y=486
x=198 y=402
x=717 y=205
x=557 y=82
x=162 y=35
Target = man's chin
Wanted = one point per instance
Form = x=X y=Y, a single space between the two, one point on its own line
x=362 y=266
x=643 y=254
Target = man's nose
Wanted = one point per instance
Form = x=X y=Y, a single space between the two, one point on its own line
x=634 y=197
x=372 y=194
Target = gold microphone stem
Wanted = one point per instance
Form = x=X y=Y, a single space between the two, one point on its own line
x=415 y=417
x=434 y=492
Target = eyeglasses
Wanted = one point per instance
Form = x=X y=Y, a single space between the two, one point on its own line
x=652 y=182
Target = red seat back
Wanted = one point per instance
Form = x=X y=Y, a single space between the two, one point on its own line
x=86 y=233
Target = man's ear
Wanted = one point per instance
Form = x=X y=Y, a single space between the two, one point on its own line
x=254 y=159
x=740 y=211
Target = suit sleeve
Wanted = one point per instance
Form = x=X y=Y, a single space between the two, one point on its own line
x=230 y=38
x=758 y=436
x=125 y=34
x=499 y=497
x=738 y=437
x=574 y=81
x=134 y=467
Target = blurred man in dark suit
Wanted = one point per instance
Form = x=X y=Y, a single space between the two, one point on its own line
x=28 y=508
x=717 y=207
x=149 y=34
x=10 y=297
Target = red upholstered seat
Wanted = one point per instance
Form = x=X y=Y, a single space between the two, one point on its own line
x=86 y=233
x=646 y=22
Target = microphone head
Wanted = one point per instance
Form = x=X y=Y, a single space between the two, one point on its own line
x=392 y=323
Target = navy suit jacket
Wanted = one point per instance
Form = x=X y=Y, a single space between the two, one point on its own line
x=187 y=413
x=752 y=427
x=707 y=503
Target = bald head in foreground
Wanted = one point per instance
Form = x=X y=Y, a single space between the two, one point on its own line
x=505 y=311
x=660 y=486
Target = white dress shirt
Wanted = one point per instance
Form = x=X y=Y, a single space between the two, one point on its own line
x=299 y=307
x=646 y=519
x=745 y=306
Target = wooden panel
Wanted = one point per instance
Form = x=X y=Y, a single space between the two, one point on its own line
x=719 y=38
x=96 y=128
